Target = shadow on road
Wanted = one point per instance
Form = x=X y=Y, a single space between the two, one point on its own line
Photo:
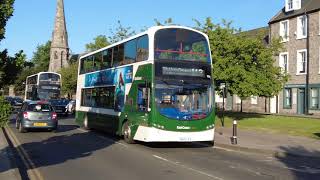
x=59 y=149
x=302 y=167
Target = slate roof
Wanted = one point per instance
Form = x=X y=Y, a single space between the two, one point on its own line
x=308 y=6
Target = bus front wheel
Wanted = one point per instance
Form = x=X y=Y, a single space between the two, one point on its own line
x=126 y=132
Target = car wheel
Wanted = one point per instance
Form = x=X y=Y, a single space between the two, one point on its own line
x=21 y=128
x=126 y=132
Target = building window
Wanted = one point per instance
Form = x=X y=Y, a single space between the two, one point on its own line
x=284 y=30
x=289 y=5
x=55 y=54
x=254 y=99
x=302 y=27
x=284 y=62
x=292 y=5
x=302 y=62
x=287 y=98
x=314 y=98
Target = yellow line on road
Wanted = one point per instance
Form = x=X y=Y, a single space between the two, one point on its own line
x=33 y=172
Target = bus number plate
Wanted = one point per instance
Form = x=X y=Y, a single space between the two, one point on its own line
x=185 y=138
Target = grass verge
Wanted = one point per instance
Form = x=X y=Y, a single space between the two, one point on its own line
x=296 y=126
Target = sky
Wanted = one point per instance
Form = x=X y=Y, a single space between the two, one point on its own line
x=33 y=20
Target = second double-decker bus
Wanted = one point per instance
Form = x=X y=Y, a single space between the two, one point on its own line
x=43 y=86
x=154 y=87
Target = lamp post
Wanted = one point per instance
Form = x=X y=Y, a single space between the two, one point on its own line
x=306 y=109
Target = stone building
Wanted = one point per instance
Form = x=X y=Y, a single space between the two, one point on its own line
x=298 y=26
x=59 y=53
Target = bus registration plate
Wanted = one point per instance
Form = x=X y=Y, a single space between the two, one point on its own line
x=185 y=138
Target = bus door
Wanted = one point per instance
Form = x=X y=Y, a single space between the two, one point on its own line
x=140 y=109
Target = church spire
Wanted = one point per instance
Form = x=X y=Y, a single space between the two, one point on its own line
x=59 y=52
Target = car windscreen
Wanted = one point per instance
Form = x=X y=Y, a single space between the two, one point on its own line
x=39 y=108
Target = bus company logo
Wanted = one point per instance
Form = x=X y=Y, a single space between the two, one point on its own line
x=183 y=127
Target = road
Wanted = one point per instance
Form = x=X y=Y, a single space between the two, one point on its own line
x=73 y=153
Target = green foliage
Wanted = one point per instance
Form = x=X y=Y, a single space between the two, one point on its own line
x=69 y=77
x=6 y=11
x=166 y=22
x=119 y=33
x=5 y=112
x=245 y=63
x=11 y=67
x=100 y=41
x=41 y=57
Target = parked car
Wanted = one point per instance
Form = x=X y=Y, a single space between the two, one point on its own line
x=36 y=115
x=17 y=101
x=59 y=106
x=71 y=107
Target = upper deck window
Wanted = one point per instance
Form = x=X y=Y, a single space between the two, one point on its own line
x=49 y=78
x=181 y=44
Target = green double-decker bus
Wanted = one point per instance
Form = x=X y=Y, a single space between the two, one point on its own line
x=154 y=87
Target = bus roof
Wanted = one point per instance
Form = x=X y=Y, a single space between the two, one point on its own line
x=44 y=73
x=150 y=30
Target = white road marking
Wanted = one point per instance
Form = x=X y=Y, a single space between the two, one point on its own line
x=186 y=167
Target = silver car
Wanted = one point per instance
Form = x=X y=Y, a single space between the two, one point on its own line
x=36 y=115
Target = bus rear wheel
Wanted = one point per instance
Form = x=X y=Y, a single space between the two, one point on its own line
x=126 y=132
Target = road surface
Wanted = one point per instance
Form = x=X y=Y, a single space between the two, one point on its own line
x=74 y=153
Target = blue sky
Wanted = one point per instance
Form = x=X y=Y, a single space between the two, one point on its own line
x=33 y=20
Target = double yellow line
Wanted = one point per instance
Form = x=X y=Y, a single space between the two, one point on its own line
x=33 y=172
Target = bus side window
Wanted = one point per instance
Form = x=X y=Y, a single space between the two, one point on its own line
x=130 y=51
x=97 y=61
x=118 y=56
x=107 y=58
x=142 y=48
x=88 y=64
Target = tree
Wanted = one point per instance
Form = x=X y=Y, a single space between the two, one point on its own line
x=245 y=64
x=166 y=22
x=5 y=112
x=41 y=57
x=6 y=11
x=99 y=42
x=11 y=67
x=119 y=33
x=69 y=77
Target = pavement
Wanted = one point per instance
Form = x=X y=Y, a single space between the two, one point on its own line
x=7 y=169
x=268 y=143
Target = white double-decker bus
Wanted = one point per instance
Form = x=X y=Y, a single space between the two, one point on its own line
x=43 y=86
x=155 y=87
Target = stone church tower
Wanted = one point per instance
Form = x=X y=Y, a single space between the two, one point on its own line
x=59 y=53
